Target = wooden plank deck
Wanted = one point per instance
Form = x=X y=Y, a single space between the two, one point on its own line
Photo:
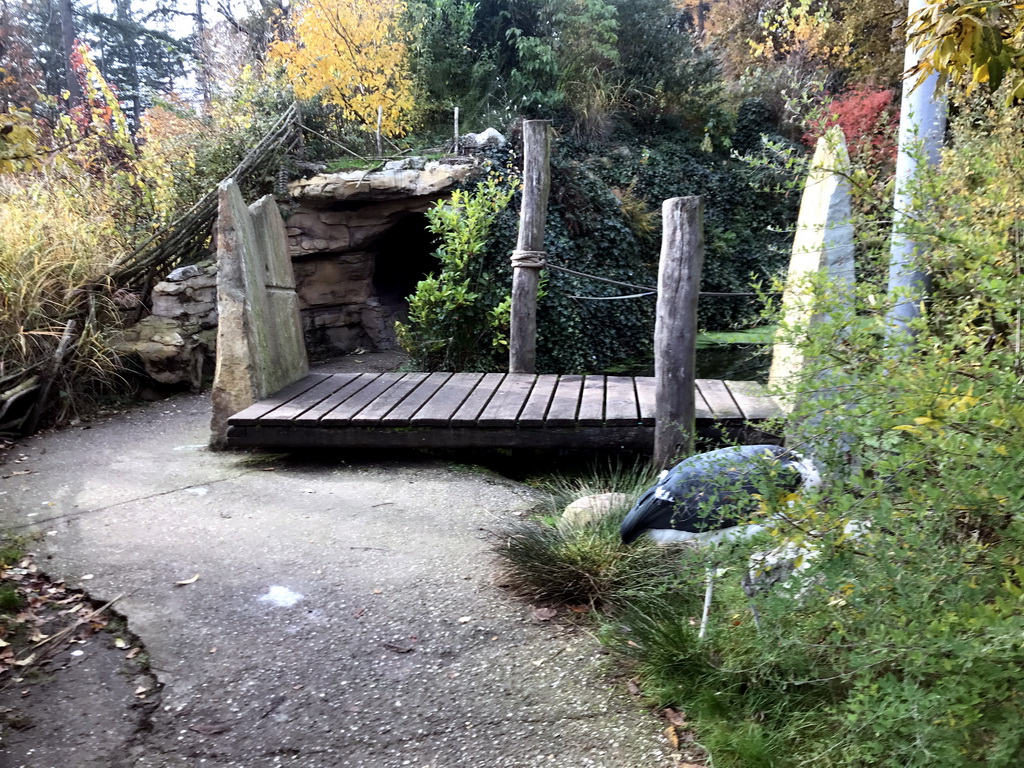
x=466 y=410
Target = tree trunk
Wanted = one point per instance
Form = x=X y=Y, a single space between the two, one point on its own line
x=68 y=39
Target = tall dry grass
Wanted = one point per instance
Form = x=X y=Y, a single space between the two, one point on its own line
x=59 y=232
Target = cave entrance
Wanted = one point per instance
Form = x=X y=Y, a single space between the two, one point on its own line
x=404 y=256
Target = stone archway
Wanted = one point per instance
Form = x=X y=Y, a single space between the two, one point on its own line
x=359 y=244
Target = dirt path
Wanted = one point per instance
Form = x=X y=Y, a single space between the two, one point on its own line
x=344 y=614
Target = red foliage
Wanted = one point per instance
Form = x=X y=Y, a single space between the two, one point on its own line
x=869 y=120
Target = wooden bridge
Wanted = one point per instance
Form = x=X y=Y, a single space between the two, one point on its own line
x=465 y=410
x=496 y=410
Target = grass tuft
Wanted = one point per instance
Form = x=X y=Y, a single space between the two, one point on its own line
x=583 y=564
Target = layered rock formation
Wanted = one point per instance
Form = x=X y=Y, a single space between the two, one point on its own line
x=358 y=244
x=176 y=341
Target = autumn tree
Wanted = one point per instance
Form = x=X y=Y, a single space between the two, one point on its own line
x=978 y=42
x=352 y=55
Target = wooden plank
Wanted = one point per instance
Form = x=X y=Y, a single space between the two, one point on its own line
x=645 y=396
x=566 y=402
x=310 y=435
x=295 y=407
x=478 y=399
x=344 y=411
x=620 y=406
x=385 y=403
x=328 y=404
x=537 y=404
x=754 y=401
x=718 y=399
x=250 y=415
x=701 y=408
x=442 y=406
x=508 y=400
x=404 y=412
x=592 y=402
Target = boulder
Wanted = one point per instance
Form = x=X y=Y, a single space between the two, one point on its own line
x=591 y=509
x=487 y=138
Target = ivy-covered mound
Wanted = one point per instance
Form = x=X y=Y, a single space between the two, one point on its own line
x=603 y=219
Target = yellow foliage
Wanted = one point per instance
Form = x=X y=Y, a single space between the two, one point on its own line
x=19 y=142
x=352 y=54
x=166 y=143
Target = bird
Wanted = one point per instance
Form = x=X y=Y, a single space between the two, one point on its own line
x=705 y=499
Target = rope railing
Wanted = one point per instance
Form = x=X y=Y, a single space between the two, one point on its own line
x=647 y=290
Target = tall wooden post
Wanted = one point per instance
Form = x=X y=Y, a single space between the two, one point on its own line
x=529 y=257
x=675 y=327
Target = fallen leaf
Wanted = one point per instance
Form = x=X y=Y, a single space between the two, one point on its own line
x=141 y=690
x=210 y=729
x=544 y=614
x=675 y=717
x=673 y=739
x=397 y=648
x=132 y=653
x=88 y=576
x=24 y=662
x=632 y=687
x=465 y=619
x=377 y=591
x=3 y=643
x=120 y=642
x=186 y=582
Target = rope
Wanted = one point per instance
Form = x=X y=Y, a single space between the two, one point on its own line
x=529 y=259
x=603 y=279
x=648 y=291
x=614 y=298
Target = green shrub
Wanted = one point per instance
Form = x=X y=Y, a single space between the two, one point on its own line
x=449 y=327
x=903 y=648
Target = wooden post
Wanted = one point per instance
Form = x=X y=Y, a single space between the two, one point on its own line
x=675 y=327
x=529 y=257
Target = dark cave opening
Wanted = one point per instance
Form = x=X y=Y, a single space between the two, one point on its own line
x=405 y=255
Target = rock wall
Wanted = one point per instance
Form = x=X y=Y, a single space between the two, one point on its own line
x=341 y=239
x=337 y=229
x=176 y=341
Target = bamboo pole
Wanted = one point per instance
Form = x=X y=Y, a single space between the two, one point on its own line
x=675 y=328
x=529 y=257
